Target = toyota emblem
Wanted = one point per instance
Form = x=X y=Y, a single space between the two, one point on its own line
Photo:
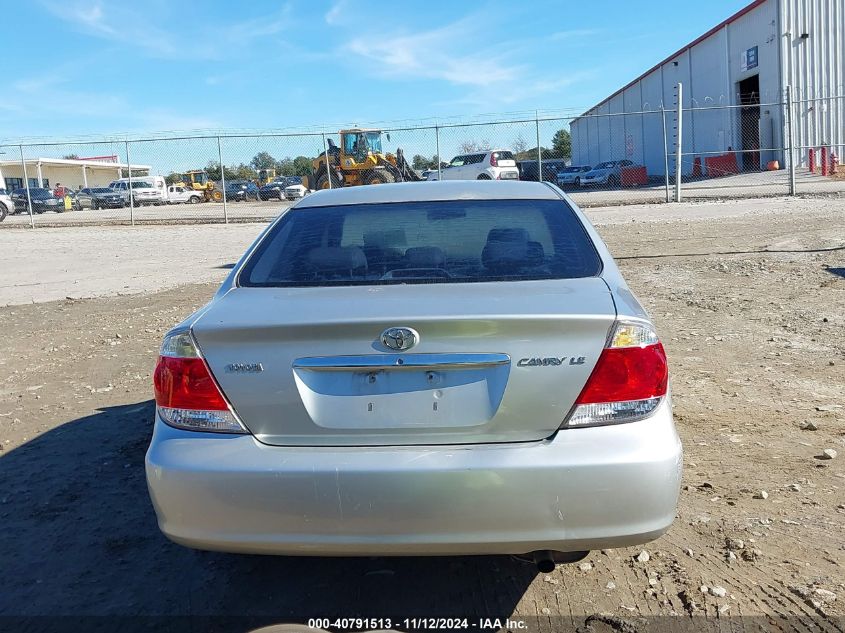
x=399 y=338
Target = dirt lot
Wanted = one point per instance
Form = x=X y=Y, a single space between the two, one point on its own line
x=751 y=308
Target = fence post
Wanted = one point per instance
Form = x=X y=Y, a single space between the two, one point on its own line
x=678 y=142
x=222 y=181
x=665 y=153
x=131 y=193
x=790 y=141
x=437 y=147
x=539 y=151
x=26 y=184
x=328 y=166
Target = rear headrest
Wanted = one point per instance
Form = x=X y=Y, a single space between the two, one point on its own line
x=509 y=248
x=425 y=257
x=338 y=258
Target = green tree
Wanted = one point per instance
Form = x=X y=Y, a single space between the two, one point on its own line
x=531 y=154
x=263 y=160
x=562 y=144
x=243 y=172
x=70 y=156
x=173 y=178
x=301 y=166
x=213 y=170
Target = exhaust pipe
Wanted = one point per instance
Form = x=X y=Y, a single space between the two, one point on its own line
x=544 y=559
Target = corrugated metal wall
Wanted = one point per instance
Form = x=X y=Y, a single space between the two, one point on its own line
x=813 y=45
x=711 y=71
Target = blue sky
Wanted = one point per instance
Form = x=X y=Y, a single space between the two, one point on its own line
x=84 y=67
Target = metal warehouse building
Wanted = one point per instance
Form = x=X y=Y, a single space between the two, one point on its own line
x=735 y=80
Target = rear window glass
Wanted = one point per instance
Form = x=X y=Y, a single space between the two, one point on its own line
x=423 y=242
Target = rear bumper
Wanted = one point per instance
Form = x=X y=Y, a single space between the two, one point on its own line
x=584 y=489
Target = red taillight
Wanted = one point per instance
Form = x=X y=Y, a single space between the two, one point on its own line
x=629 y=381
x=186 y=383
x=494 y=159
x=627 y=373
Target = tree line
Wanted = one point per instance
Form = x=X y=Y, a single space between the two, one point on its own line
x=299 y=166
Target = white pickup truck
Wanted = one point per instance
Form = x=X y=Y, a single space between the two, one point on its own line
x=178 y=195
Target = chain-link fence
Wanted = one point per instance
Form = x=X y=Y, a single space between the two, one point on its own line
x=604 y=157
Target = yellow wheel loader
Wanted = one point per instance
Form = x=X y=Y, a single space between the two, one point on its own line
x=359 y=160
x=265 y=176
x=197 y=179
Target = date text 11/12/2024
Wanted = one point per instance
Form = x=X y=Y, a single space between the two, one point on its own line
x=418 y=624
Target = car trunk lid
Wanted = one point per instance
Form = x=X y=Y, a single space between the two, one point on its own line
x=495 y=362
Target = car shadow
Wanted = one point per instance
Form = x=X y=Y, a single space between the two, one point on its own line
x=80 y=539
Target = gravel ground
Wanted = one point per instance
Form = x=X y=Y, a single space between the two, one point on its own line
x=749 y=299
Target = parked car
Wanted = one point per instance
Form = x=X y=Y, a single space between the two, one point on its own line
x=528 y=171
x=97 y=198
x=489 y=165
x=607 y=173
x=417 y=370
x=7 y=206
x=42 y=200
x=143 y=192
x=571 y=176
x=180 y=195
x=241 y=190
x=295 y=192
x=276 y=189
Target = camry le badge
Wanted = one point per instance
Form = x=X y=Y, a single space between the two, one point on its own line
x=552 y=361
x=244 y=368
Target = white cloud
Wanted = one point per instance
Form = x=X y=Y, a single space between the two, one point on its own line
x=139 y=27
x=451 y=53
x=573 y=34
x=335 y=13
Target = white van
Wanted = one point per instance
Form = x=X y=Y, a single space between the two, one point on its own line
x=143 y=190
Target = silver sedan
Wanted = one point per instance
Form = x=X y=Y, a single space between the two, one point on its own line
x=418 y=369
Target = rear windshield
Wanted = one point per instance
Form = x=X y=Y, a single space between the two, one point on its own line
x=423 y=242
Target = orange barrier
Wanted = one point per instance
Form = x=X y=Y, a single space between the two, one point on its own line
x=722 y=165
x=632 y=176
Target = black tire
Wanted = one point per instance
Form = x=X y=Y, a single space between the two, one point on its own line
x=194 y=200
x=484 y=177
x=379 y=177
x=3 y=212
x=323 y=181
x=613 y=182
x=95 y=206
x=577 y=181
